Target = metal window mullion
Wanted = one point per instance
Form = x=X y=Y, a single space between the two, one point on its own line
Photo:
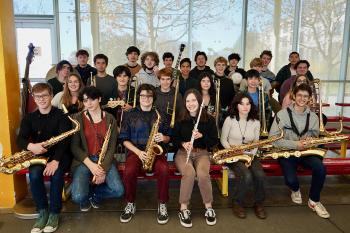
x=57 y=26
x=244 y=30
x=344 y=55
x=189 y=29
x=78 y=23
x=296 y=25
x=134 y=19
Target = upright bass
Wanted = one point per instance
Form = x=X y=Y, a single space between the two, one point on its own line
x=28 y=104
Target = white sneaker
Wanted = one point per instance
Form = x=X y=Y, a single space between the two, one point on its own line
x=319 y=209
x=296 y=197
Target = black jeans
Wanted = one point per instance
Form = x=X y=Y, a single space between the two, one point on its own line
x=37 y=187
x=289 y=168
x=245 y=177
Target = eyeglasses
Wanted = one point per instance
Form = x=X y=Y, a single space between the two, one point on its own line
x=302 y=96
x=39 y=97
x=146 y=96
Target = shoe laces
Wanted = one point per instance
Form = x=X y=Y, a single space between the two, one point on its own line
x=186 y=213
x=320 y=206
x=129 y=208
x=210 y=213
x=163 y=209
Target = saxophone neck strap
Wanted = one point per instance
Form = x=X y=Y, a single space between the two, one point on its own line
x=294 y=128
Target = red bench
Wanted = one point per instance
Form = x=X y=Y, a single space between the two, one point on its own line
x=217 y=172
x=334 y=166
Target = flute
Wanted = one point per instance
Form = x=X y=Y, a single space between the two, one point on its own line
x=194 y=129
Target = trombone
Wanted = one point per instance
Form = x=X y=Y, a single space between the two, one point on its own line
x=176 y=78
x=262 y=115
x=217 y=104
x=93 y=80
x=316 y=103
x=136 y=80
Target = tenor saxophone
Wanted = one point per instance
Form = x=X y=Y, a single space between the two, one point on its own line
x=25 y=158
x=236 y=153
x=152 y=148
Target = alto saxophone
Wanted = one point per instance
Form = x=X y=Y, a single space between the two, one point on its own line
x=152 y=148
x=236 y=153
x=102 y=154
x=25 y=158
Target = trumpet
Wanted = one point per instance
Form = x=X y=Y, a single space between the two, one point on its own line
x=262 y=115
x=176 y=77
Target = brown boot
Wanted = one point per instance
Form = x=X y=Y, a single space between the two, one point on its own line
x=260 y=211
x=238 y=210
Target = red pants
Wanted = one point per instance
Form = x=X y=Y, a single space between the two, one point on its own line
x=133 y=165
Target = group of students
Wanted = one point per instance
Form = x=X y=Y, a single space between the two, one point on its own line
x=132 y=122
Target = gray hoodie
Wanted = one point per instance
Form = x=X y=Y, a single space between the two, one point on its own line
x=290 y=140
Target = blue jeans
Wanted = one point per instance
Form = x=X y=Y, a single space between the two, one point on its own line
x=246 y=177
x=289 y=168
x=38 y=190
x=82 y=190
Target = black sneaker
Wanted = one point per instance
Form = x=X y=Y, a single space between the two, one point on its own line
x=163 y=216
x=185 y=218
x=94 y=203
x=128 y=212
x=85 y=206
x=210 y=216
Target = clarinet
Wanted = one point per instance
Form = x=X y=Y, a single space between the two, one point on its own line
x=194 y=129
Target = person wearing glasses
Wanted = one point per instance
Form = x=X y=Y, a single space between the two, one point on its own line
x=299 y=124
x=37 y=127
x=134 y=134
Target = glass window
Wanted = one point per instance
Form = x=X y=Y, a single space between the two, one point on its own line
x=270 y=27
x=42 y=62
x=107 y=27
x=329 y=94
x=162 y=26
x=321 y=37
x=216 y=28
x=68 y=39
x=33 y=7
